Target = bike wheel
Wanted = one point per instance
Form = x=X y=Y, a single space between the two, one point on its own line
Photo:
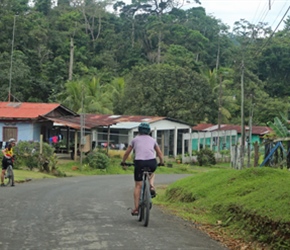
x=141 y=205
x=8 y=176
x=147 y=202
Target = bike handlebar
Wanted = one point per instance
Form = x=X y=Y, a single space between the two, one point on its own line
x=126 y=164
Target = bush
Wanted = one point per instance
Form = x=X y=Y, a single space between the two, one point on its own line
x=27 y=154
x=98 y=160
x=205 y=157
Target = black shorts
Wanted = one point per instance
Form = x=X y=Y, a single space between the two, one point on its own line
x=6 y=162
x=140 y=165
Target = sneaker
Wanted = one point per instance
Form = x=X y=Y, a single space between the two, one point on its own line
x=13 y=185
x=153 y=192
x=2 y=185
x=135 y=212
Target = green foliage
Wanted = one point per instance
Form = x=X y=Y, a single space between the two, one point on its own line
x=167 y=54
x=28 y=155
x=97 y=160
x=280 y=126
x=205 y=157
x=166 y=90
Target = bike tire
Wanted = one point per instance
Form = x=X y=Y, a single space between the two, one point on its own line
x=8 y=180
x=141 y=205
x=147 y=201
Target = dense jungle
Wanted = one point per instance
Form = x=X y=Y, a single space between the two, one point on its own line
x=143 y=58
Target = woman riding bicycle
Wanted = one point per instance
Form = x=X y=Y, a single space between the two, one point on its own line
x=144 y=147
x=7 y=158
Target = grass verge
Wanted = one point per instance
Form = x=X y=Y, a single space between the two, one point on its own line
x=251 y=204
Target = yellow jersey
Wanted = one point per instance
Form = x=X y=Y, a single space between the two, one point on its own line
x=8 y=152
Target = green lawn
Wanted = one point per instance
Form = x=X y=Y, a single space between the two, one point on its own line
x=252 y=204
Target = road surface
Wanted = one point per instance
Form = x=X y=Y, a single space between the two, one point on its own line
x=89 y=213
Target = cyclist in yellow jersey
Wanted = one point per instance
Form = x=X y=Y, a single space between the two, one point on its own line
x=8 y=154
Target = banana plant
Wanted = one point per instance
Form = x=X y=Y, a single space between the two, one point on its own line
x=280 y=126
x=281 y=132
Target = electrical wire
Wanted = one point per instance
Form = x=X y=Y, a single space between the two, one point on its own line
x=270 y=37
x=279 y=13
x=264 y=14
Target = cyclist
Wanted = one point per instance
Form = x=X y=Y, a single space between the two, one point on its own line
x=144 y=147
x=8 y=154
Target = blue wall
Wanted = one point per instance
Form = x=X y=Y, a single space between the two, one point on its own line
x=25 y=131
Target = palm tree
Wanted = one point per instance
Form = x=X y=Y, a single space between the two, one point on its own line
x=88 y=94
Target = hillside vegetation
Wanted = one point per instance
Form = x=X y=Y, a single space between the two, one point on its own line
x=142 y=58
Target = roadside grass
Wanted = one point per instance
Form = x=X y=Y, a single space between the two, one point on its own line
x=249 y=205
x=70 y=168
x=252 y=204
x=27 y=175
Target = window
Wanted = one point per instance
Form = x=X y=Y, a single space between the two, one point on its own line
x=9 y=132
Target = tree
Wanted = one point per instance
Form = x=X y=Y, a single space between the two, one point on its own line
x=43 y=6
x=170 y=91
x=88 y=94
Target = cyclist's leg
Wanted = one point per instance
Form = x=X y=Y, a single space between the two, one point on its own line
x=12 y=177
x=138 y=183
x=152 y=164
x=137 y=191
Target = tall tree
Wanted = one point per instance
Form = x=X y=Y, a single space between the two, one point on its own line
x=165 y=90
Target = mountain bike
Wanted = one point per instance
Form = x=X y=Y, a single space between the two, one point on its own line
x=9 y=175
x=145 y=202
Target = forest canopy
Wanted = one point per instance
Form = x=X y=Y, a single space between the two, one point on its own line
x=142 y=58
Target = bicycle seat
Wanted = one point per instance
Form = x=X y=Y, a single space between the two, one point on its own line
x=146 y=169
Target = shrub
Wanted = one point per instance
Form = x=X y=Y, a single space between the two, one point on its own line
x=97 y=159
x=205 y=157
x=27 y=154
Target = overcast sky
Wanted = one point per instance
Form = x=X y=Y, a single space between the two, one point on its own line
x=254 y=11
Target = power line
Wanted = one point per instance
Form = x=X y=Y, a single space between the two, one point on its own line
x=279 y=12
x=270 y=37
x=264 y=13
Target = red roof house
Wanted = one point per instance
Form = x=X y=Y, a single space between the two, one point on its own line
x=26 y=121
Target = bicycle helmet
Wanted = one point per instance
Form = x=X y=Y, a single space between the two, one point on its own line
x=11 y=140
x=144 y=128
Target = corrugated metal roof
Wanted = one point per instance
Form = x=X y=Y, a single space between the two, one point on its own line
x=201 y=126
x=115 y=121
x=257 y=130
x=126 y=125
x=25 y=110
x=106 y=120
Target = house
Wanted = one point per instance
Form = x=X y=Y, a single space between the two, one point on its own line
x=226 y=139
x=30 y=121
x=27 y=121
x=116 y=131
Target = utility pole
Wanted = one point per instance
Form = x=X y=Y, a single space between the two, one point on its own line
x=220 y=91
x=220 y=112
x=250 y=132
x=82 y=118
x=11 y=60
x=71 y=59
x=242 y=117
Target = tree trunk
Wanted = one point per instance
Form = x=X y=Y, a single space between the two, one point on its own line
x=256 y=159
x=159 y=42
x=71 y=59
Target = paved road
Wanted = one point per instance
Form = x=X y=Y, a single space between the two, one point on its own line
x=88 y=213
